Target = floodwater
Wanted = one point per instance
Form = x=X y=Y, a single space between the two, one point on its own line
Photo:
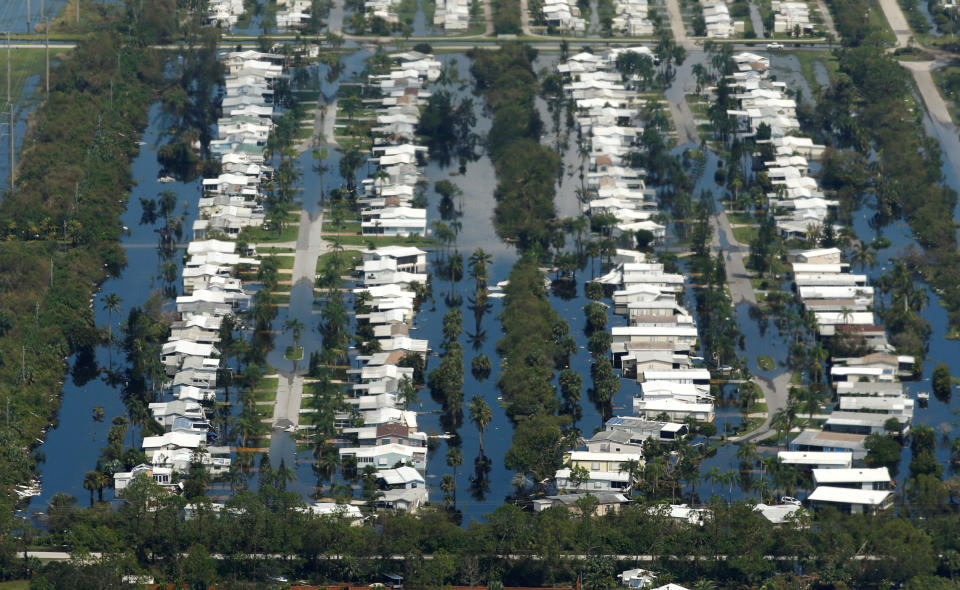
x=941 y=416
x=73 y=446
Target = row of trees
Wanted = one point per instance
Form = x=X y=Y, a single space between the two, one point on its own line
x=868 y=109
x=149 y=534
x=60 y=223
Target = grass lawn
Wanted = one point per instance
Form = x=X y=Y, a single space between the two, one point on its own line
x=350 y=227
x=267 y=383
x=275 y=250
x=745 y=235
x=386 y=241
x=15 y=585
x=292 y=354
x=796 y=378
x=766 y=363
x=282 y=298
x=352 y=258
x=258 y=235
x=741 y=219
x=266 y=395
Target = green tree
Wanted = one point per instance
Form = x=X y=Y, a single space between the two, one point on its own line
x=480 y=414
x=942 y=382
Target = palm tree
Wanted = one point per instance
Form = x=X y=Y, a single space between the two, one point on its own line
x=479 y=261
x=454 y=459
x=481 y=414
x=863 y=255
x=111 y=303
x=91 y=481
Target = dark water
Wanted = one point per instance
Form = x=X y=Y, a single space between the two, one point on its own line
x=72 y=448
x=942 y=416
x=13 y=13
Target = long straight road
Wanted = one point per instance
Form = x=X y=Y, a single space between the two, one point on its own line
x=775 y=391
x=898 y=22
x=310 y=245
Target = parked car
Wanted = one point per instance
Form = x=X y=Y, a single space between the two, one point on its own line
x=789 y=500
x=772 y=46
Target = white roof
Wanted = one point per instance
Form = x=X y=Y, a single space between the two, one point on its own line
x=187 y=440
x=400 y=475
x=334 y=509
x=849 y=496
x=844 y=458
x=677 y=374
x=590 y=456
x=828 y=476
x=211 y=246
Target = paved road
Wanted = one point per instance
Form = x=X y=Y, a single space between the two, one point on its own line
x=328 y=120
x=676 y=25
x=936 y=106
x=828 y=19
x=525 y=17
x=776 y=390
x=756 y=20
x=488 y=17
x=738 y=279
x=286 y=411
x=335 y=18
x=310 y=245
x=898 y=22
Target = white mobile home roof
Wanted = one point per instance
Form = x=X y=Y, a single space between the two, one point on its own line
x=833 y=476
x=849 y=496
x=843 y=458
x=681 y=375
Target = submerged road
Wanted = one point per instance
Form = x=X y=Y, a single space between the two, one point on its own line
x=310 y=245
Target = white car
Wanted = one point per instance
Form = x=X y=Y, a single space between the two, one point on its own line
x=774 y=45
x=790 y=500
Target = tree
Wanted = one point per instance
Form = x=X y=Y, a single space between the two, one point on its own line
x=480 y=367
x=111 y=303
x=480 y=414
x=200 y=568
x=942 y=382
x=455 y=460
x=91 y=482
x=882 y=451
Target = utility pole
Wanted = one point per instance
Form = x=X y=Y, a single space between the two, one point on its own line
x=29 y=28
x=78 y=12
x=13 y=162
x=13 y=157
x=46 y=52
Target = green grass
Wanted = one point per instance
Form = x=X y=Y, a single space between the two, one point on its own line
x=266 y=395
x=349 y=227
x=386 y=241
x=293 y=354
x=351 y=257
x=15 y=585
x=258 y=235
x=796 y=378
x=267 y=383
x=285 y=262
x=741 y=218
x=745 y=235
x=24 y=63
x=275 y=250
x=766 y=363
